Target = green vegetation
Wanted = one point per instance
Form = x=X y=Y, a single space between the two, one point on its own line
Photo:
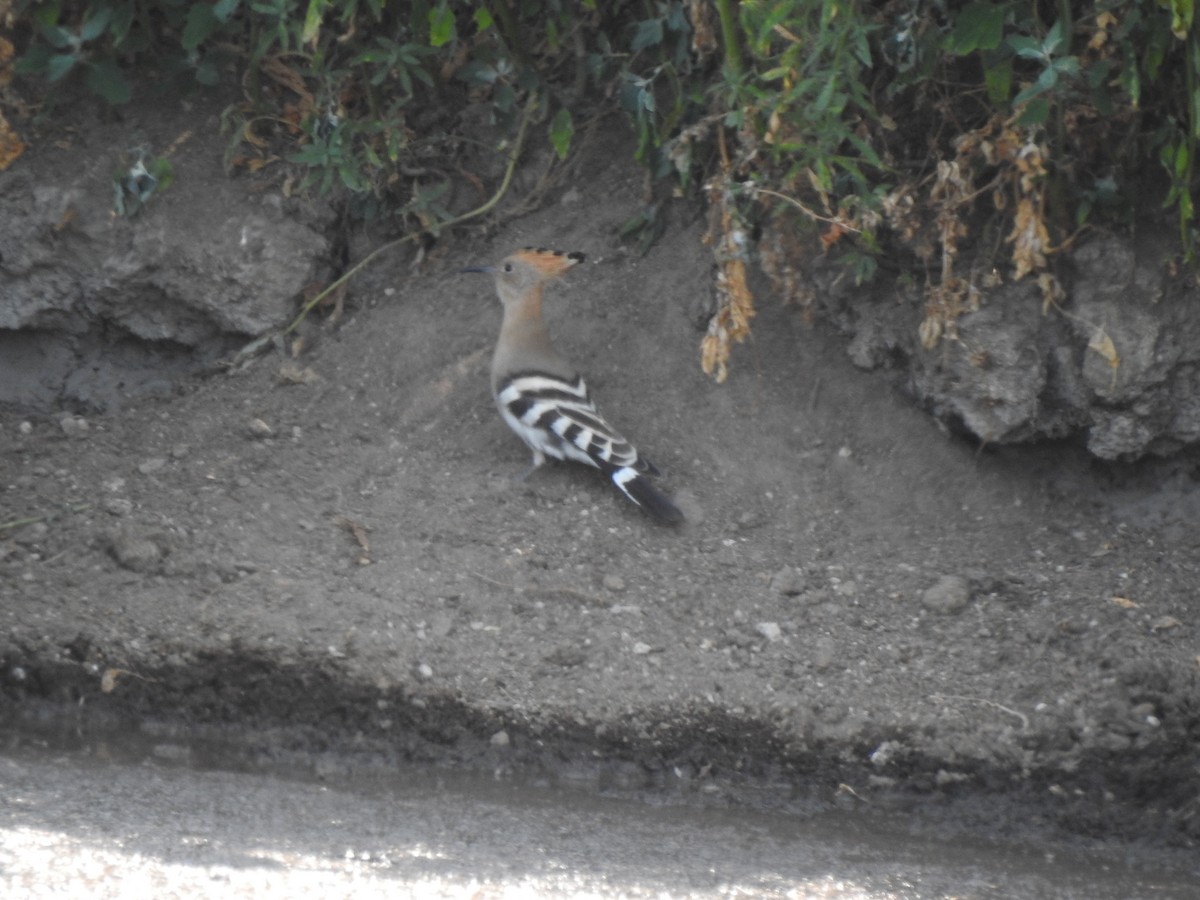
x=911 y=128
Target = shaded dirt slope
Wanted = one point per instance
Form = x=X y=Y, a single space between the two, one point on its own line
x=858 y=598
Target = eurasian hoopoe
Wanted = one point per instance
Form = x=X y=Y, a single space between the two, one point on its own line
x=544 y=399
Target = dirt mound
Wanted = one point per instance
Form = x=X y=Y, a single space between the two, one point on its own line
x=875 y=602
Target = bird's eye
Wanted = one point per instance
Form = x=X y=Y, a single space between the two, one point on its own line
x=508 y=267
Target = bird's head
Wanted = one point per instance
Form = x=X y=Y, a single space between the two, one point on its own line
x=527 y=269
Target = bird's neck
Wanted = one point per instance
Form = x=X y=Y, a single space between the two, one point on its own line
x=524 y=342
x=523 y=326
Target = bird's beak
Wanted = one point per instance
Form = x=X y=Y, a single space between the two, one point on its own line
x=485 y=270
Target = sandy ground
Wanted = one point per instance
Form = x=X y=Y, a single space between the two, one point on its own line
x=103 y=822
x=861 y=608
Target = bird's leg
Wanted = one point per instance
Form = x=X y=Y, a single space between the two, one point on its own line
x=538 y=459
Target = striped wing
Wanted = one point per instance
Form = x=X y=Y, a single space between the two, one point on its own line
x=557 y=417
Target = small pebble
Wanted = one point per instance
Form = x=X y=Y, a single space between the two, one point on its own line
x=788 y=581
x=74 y=426
x=117 y=506
x=949 y=595
x=25 y=427
x=770 y=630
x=150 y=466
x=641 y=649
x=500 y=739
x=823 y=654
x=423 y=671
x=260 y=429
x=846 y=588
x=441 y=624
x=613 y=582
x=138 y=554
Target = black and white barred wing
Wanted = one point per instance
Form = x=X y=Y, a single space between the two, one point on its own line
x=557 y=417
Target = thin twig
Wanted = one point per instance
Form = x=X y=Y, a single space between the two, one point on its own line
x=992 y=703
x=414 y=235
x=19 y=523
x=494 y=582
x=812 y=214
x=844 y=788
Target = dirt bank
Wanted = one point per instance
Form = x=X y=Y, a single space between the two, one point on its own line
x=860 y=609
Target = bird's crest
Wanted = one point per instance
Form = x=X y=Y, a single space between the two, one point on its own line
x=550 y=263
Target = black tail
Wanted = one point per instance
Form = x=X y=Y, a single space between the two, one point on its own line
x=641 y=490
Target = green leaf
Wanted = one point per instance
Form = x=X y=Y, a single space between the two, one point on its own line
x=824 y=176
x=224 y=9
x=163 y=172
x=59 y=65
x=1045 y=82
x=647 y=34
x=483 y=19
x=1036 y=112
x=372 y=157
x=46 y=15
x=1182 y=12
x=352 y=178
x=34 y=62
x=94 y=27
x=433 y=191
x=314 y=154
x=998 y=80
x=865 y=150
x=1027 y=94
x=1025 y=46
x=313 y=17
x=1067 y=65
x=505 y=98
x=122 y=20
x=1054 y=37
x=980 y=26
x=57 y=37
x=422 y=75
x=826 y=96
x=1098 y=74
x=862 y=49
x=441 y=25
x=102 y=77
x=676 y=19
x=207 y=72
x=562 y=129
x=200 y=24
